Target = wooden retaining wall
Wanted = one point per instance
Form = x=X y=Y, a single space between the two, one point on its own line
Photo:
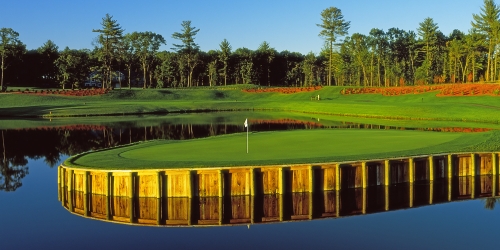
x=247 y=195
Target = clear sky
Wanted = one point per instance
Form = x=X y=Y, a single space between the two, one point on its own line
x=284 y=24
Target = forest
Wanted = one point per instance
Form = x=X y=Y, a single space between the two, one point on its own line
x=394 y=57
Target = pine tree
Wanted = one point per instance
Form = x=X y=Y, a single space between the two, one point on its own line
x=333 y=25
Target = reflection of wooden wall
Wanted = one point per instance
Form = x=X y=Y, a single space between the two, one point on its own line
x=241 y=209
x=147 y=210
x=98 y=206
x=121 y=208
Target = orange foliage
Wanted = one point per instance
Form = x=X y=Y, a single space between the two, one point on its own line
x=78 y=92
x=469 y=89
x=284 y=90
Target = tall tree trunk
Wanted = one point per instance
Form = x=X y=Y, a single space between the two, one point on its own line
x=330 y=64
x=225 y=73
x=129 y=85
x=489 y=59
x=3 y=61
x=144 y=74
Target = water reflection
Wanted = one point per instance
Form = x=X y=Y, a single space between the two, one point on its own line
x=266 y=208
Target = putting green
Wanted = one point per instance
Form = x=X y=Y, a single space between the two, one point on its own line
x=286 y=147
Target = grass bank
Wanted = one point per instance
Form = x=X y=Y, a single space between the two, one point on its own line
x=426 y=106
x=288 y=147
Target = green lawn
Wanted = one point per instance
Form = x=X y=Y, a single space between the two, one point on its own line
x=414 y=106
x=286 y=147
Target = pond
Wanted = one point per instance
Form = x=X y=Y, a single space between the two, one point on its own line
x=35 y=210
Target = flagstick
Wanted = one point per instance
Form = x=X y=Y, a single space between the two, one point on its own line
x=247 y=138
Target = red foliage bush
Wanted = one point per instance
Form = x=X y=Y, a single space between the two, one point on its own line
x=282 y=90
x=469 y=89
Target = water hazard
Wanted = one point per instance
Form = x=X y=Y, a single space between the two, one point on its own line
x=37 y=204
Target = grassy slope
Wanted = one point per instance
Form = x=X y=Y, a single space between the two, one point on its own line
x=308 y=146
x=413 y=106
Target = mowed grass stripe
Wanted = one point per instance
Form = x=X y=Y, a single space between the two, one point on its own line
x=286 y=147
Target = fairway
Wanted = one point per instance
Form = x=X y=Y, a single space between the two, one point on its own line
x=288 y=147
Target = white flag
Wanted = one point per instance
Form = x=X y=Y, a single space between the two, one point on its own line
x=246 y=123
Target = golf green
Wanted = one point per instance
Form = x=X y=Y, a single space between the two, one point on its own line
x=286 y=147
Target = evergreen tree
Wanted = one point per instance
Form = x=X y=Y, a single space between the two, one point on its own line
x=108 y=39
x=333 y=25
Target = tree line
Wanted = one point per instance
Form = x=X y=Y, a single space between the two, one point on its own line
x=394 y=57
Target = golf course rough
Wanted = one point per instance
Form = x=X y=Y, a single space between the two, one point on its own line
x=284 y=147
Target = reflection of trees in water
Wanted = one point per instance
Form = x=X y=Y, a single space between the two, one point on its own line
x=50 y=144
x=489 y=203
x=12 y=170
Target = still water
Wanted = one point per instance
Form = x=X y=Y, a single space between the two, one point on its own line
x=32 y=217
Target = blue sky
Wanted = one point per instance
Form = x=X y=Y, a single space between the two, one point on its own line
x=285 y=25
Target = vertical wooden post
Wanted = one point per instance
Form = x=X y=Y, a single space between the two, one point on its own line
x=311 y=179
x=311 y=205
x=190 y=210
x=131 y=185
x=387 y=173
x=131 y=195
x=431 y=192
x=158 y=211
x=281 y=181
x=473 y=187
x=494 y=162
x=450 y=167
x=70 y=190
x=450 y=176
x=411 y=170
x=473 y=164
x=364 y=201
x=363 y=174
x=252 y=209
x=159 y=180
x=337 y=203
x=59 y=175
x=337 y=177
x=282 y=207
x=107 y=183
x=221 y=211
x=411 y=194
x=449 y=188
x=221 y=182
x=63 y=193
x=431 y=168
x=387 y=198
x=190 y=184
x=252 y=183
x=85 y=193
x=473 y=175
x=70 y=180
x=59 y=194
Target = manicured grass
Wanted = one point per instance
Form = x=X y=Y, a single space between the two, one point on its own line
x=413 y=106
x=289 y=147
